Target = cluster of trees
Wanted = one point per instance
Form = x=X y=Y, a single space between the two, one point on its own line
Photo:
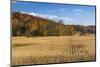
x=28 y=25
x=85 y=29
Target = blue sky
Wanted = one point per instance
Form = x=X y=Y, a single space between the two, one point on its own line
x=70 y=14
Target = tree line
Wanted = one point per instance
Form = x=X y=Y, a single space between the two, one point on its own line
x=28 y=25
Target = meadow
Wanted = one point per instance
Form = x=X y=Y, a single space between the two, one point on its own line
x=52 y=49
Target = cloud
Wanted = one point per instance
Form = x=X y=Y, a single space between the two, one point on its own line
x=65 y=19
x=46 y=16
x=32 y=13
x=78 y=11
x=68 y=20
x=52 y=17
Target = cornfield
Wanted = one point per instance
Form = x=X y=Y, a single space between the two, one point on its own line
x=52 y=49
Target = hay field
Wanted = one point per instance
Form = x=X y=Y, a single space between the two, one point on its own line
x=52 y=49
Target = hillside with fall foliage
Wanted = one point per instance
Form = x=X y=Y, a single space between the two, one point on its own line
x=29 y=25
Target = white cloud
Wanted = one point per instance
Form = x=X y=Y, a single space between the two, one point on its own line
x=78 y=11
x=32 y=13
x=66 y=20
x=46 y=16
x=69 y=20
x=52 y=17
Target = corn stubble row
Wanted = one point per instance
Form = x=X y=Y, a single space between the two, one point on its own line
x=54 y=50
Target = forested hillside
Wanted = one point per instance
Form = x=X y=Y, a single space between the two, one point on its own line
x=29 y=25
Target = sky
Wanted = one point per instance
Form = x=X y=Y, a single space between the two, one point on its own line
x=69 y=13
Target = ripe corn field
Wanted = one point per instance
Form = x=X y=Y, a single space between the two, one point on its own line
x=52 y=49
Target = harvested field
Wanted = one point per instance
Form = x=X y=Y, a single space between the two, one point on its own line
x=53 y=49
